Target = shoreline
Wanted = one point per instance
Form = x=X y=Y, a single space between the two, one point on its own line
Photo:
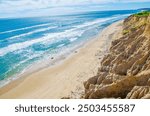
x=65 y=79
x=43 y=64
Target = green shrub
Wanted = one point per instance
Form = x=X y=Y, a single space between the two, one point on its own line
x=143 y=14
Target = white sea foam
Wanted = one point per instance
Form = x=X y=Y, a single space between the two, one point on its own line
x=44 y=40
x=61 y=45
x=86 y=24
x=15 y=76
x=20 y=29
x=73 y=33
x=32 y=32
x=73 y=39
x=16 y=46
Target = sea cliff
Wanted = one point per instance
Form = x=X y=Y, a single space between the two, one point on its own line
x=125 y=71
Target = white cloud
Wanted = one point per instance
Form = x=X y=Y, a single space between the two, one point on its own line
x=11 y=7
x=46 y=3
x=50 y=3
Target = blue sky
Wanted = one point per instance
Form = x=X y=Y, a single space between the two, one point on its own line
x=28 y=8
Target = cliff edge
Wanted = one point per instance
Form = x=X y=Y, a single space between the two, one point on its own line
x=125 y=71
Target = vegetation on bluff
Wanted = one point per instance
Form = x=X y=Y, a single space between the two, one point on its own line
x=125 y=71
x=143 y=14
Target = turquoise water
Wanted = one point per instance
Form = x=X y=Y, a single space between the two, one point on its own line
x=26 y=41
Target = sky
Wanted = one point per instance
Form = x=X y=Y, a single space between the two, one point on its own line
x=33 y=8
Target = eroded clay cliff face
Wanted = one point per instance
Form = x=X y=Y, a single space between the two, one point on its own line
x=125 y=71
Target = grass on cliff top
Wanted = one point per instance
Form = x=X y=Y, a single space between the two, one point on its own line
x=143 y=14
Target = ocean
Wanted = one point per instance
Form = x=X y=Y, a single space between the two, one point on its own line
x=39 y=41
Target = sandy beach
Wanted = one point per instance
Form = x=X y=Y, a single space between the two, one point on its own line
x=65 y=79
